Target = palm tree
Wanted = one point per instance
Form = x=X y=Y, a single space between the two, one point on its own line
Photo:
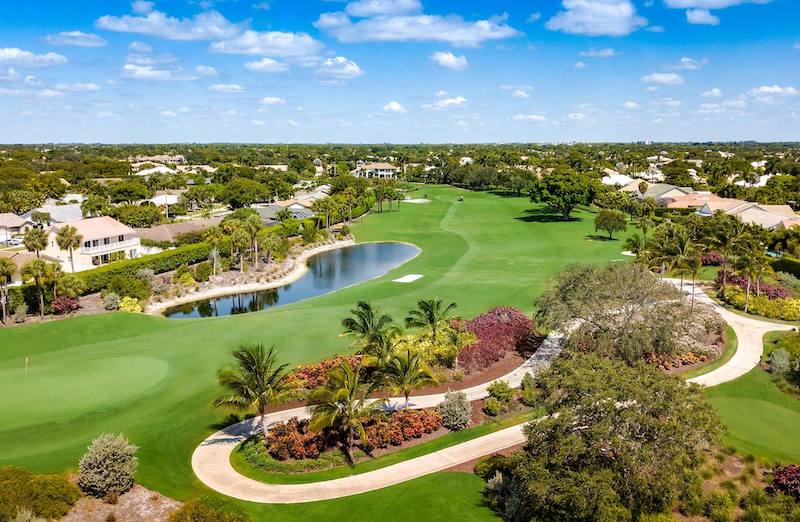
x=38 y=271
x=635 y=243
x=344 y=403
x=214 y=236
x=252 y=225
x=350 y=197
x=68 y=239
x=406 y=372
x=268 y=242
x=7 y=269
x=727 y=233
x=257 y=382
x=35 y=240
x=371 y=328
x=240 y=240
x=645 y=224
x=430 y=313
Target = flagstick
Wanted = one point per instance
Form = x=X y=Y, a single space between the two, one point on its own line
x=26 y=366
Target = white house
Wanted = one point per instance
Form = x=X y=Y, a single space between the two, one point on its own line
x=57 y=213
x=104 y=239
x=375 y=170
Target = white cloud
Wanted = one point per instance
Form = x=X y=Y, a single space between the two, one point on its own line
x=710 y=108
x=272 y=100
x=205 y=70
x=690 y=64
x=339 y=68
x=666 y=102
x=655 y=29
x=713 y=93
x=22 y=58
x=579 y=65
x=185 y=110
x=266 y=65
x=651 y=88
x=529 y=117
x=168 y=114
x=632 y=105
x=8 y=75
x=599 y=53
x=770 y=90
x=734 y=104
x=277 y=44
x=440 y=94
x=33 y=81
x=597 y=18
x=710 y=4
x=76 y=38
x=450 y=61
x=447 y=103
x=578 y=116
x=519 y=93
x=50 y=93
x=140 y=47
x=258 y=123
x=664 y=79
x=261 y=6
x=452 y=29
x=13 y=92
x=78 y=87
x=148 y=72
x=226 y=88
x=394 y=107
x=142 y=7
x=293 y=123
x=208 y=25
x=367 y=8
x=150 y=59
x=534 y=17
x=701 y=17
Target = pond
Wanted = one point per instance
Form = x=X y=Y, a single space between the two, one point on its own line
x=327 y=272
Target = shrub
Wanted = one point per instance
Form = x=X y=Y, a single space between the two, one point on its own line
x=20 y=313
x=111 y=301
x=501 y=391
x=130 y=305
x=64 y=305
x=529 y=394
x=498 y=331
x=26 y=515
x=126 y=286
x=787 y=480
x=209 y=510
x=186 y=280
x=780 y=362
x=47 y=496
x=487 y=467
x=109 y=465
x=769 y=291
x=315 y=375
x=719 y=507
x=786 y=309
x=181 y=271
x=146 y=274
x=788 y=264
x=789 y=281
x=493 y=407
x=712 y=259
x=203 y=271
x=455 y=411
x=345 y=230
x=294 y=440
x=401 y=426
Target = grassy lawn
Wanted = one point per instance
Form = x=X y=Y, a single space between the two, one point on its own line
x=731 y=343
x=153 y=379
x=760 y=418
x=244 y=467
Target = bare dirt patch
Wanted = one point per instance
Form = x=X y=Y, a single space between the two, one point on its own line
x=137 y=505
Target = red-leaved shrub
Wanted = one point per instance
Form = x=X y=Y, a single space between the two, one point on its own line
x=315 y=375
x=787 y=480
x=401 y=426
x=770 y=291
x=294 y=440
x=500 y=330
x=64 y=305
x=712 y=259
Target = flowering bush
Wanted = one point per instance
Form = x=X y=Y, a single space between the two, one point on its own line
x=770 y=291
x=712 y=259
x=64 y=305
x=401 y=426
x=787 y=480
x=498 y=331
x=130 y=304
x=316 y=375
x=786 y=309
x=293 y=439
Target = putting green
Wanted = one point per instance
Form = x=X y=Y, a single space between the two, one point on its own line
x=56 y=391
x=485 y=251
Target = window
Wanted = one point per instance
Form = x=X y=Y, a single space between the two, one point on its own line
x=87 y=244
x=95 y=242
x=106 y=240
x=121 y=239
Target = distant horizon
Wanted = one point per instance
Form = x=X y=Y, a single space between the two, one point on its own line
x=400 y=71
x=406 y=144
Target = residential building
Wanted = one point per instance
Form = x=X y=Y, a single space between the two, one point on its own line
x=696 y=200
x=614 y=178
x=663 y=192
x=768 y=216
x=20 y=259
x=104 y=239
x=11 y=224
x=57 y=213
x=375 y=170
x=173 y=159
x=171 y=231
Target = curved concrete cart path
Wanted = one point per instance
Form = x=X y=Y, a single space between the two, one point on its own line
x=211 y=460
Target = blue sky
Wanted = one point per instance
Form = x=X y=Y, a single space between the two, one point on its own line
x=399 y=70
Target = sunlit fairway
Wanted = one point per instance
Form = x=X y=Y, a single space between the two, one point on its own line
x=153 y=379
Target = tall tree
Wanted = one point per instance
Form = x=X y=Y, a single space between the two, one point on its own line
x=563 y=190
x=35 y=240
x=370 y=327
x=68 y=239
x=256 y=382
x=7 y=269
x=430 y=313
x=406 y=372
x=344 y=403
x=38 y=272
x=252 y=224
x=214 y=236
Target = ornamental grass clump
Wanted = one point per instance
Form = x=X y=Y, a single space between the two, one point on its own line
x=108 y=466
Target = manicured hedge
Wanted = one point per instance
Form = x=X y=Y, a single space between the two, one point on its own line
x=788 y=264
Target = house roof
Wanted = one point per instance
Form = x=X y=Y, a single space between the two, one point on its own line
x=170 y=231
x=633 y=185
x=376 y=165
x=19 y=258
x=616 y=179
x=696 y=200
x=97 y=228
x=9 y=220
x=659 y=189
x=59 y=213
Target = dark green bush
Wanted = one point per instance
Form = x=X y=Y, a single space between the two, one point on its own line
x=127 y=286
x=209 y=510
x=493 y=407
x=488 y=466
x=203 y=271
x=788 y=264
x=501 y=391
